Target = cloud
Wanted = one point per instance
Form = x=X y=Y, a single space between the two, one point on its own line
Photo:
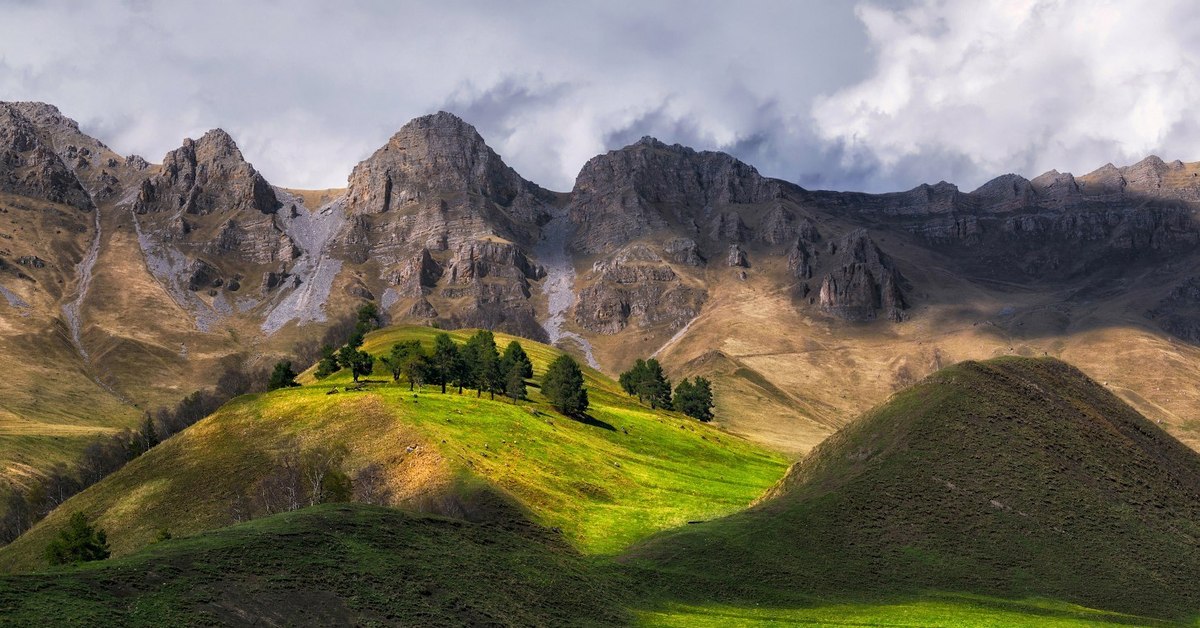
x=966 y=91
x=821 y=92
x=309 y=89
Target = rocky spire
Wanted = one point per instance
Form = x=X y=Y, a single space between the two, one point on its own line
x=206 y=176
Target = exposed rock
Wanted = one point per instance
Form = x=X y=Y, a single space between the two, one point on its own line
x=863 y=282
x=28 y=164
x=1179 y=313
x=137 y=162
x=728 y=227
x=625 y=194
x=422 y=308
x=440 y=173
x=781 y=225
x=800 y=260
x=683 y=251
x=635 y=283
x=737 y=257
x=418 y=276
x=202 y=275
x=206 y=176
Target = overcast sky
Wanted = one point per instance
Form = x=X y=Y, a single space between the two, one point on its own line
x=871 y=95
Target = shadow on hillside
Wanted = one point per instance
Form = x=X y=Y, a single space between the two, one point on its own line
x=588 y=419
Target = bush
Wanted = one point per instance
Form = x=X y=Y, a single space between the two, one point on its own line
x=78 y=542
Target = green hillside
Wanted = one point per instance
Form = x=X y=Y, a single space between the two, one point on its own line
x=328 y=565
x=1013 y=478
x=606 y=482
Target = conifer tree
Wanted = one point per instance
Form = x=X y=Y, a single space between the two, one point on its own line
x=563 y=386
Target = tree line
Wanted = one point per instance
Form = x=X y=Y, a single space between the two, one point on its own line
x=647 y=381
x=477 y=364
x=23 y=506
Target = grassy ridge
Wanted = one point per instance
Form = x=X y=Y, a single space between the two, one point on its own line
x=624 y=474
x=328 y=565
x=1016 y=478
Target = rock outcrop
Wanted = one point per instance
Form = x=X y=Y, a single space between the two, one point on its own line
x=863 y=284
x=29 y=165
x=438 y=216
x=636 y=284
x=647 y=186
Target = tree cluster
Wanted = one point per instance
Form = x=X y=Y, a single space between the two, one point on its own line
x=694 y=398
x=349 y=355
x=650 y=385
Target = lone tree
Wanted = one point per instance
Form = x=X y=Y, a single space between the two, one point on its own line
x=515 y=357
x=563 y=386
x=78 y=542
x=647 y=382
x=445 y=365
x=282 y=377
x=359 y=362
x=694 y=399
x=328 y=364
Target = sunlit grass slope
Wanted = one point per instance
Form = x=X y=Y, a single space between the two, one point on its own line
x=328 y=565
x=1014 y=478
x=625 y=473
x=924 y=611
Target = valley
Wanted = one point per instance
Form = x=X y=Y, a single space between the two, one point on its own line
x=933 y=407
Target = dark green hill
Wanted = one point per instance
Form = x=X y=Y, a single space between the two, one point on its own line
x=1016 y=478
x=328 y=565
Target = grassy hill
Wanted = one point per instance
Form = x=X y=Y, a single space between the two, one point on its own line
x=606 y=482
x=1015 y=478
x=328 y=565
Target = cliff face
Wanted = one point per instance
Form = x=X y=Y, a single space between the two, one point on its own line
x=863 y=284
x=437 y=197
x=648 y=186
x=29 y=165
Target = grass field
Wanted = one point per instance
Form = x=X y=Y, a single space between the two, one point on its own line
x=927 y=611
x=625 y=473
x=328 y=565
x=1015 y=478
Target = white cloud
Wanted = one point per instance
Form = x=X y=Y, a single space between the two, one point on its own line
x=819 y=92
x=977 y=89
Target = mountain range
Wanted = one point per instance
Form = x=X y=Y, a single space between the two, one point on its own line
x=127 y=284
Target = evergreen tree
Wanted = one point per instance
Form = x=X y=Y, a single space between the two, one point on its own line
x=282 y=377
x=328 y=364
x=647 y=381
x=416 y=369
x=78 y=542
x=563 y=386
x=514 y=354
x=399 y=357
x=694 y=399
x=514 y=383
x=444 y=366
x=483 y=363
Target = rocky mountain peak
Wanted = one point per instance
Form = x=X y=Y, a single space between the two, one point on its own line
x=436 y=155
x=648 y=185
x=30 y=165
x=206 y=176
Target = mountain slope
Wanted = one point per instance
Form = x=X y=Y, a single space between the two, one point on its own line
x=336 y=564
x=605 y=482
x=1014 y=478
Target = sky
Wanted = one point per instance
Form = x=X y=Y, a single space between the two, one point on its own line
x=871 y=95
